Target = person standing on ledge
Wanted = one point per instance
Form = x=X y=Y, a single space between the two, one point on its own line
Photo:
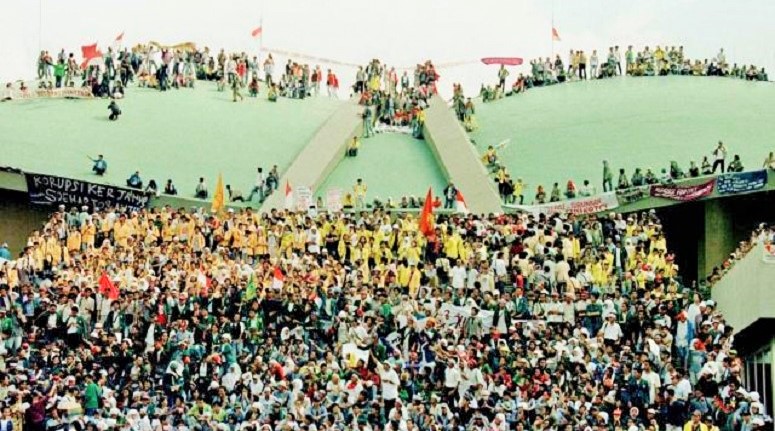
x=359 y=190
x=502 y=75
x=236 y=84
x=720 y=156
x=450 y=195
x=100 y=165
x=368 y=123
x=608 y=177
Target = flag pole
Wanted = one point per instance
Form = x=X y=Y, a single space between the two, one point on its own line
x=261 y=36
x=552 y=34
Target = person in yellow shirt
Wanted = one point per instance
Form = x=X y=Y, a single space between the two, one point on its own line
x=88 y=234
x=122 y=231
x=452 y=244
x=74 y=240
x=415 y=279
x=359 y=191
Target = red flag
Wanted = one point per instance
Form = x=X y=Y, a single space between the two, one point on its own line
x=120 y=37
x=288 y=195
x=508 y=61
x=107 y=288
x=90 y=54
x=555 y=35
x=278 y=278
x=460 y=203
x=426 y=216
x=257 y=31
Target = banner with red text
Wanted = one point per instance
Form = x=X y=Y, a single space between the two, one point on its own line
x=44 y=93
x=506 y=61
x=683 y=193
x=588 y=205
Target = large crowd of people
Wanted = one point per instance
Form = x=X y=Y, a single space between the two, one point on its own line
x=167 y=319
x=180 y=66
x=392 y=101
x=660 y=61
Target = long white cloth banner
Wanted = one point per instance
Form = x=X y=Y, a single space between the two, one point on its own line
x=589 y=205
x=44 y=93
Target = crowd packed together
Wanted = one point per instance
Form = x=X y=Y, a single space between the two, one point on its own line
x=393 y=101
x=168 y=319
x=180 y=66
x=764 y=235
x=661 y=61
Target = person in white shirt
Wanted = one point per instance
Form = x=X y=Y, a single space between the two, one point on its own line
x=458 y=275
x=258 y=187
x=451 y=377
x=682 y=388
x=389 y=382
x=612 y=332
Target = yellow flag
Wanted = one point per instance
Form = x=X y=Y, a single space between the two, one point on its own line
x=218 y=201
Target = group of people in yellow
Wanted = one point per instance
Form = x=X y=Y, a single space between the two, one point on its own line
x=378 y=248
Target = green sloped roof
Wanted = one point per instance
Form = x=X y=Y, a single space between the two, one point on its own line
x=181 y=134
x=565 y=131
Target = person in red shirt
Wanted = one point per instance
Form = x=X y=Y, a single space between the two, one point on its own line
x=332 y=85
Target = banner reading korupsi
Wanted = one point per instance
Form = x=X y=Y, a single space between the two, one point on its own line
x=683 y=193
x=588 y=205
x=52 y=190
x=741 y=181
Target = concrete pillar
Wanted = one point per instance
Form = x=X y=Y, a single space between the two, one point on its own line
x=718 y=238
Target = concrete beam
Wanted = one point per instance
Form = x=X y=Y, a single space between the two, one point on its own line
x=321 y=155
x=459 y=159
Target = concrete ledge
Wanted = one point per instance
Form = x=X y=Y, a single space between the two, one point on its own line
x=321 y=155
x=458 y=159
x=744 y=294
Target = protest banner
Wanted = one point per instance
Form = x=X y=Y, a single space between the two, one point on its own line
x=586 y=205
x=53 y=190
x=683 y=193
x=741 y=181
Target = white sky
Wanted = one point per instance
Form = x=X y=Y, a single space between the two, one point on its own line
x=400 y=32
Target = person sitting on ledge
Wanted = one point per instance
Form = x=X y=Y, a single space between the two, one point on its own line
x=234 y=194
x=170 y=189
x=352 y=147
x=115 y=111
x=736 y=165
x=272 y=93
x=135 y=181
x=100 y=165
x=152 y=188
x=201 y=189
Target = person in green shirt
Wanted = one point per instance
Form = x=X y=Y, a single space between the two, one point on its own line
x=92 y=396
x=608 y=177
x=59 y=73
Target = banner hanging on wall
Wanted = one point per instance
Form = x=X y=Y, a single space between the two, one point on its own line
x=683 y=193
x=588 y=205
x=46 y=189
x=741 y=181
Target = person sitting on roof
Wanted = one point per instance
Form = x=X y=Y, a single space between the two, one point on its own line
x=100 y=165
x=135 y=181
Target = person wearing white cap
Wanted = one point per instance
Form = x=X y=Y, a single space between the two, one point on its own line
x=612 y=332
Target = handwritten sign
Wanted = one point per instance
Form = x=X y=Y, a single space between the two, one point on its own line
x=52 y=190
